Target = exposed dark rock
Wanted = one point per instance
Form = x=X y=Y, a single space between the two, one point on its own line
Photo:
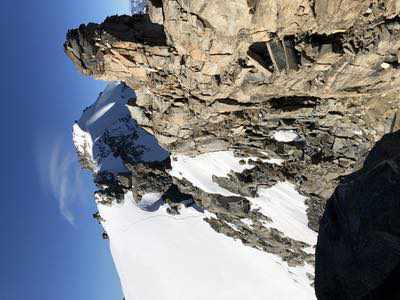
x=232 y=217
x=358 y=251
x=149 y=177
x=98 y=217
x=262 y=238
x=215 y=203
x=261 y=175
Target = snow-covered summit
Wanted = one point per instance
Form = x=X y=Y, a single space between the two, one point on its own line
x=107 y=124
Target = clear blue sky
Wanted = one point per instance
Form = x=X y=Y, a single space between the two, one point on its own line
x=43 y=256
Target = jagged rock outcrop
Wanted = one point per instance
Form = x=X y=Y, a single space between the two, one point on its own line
x=231 y=75
x=358 y=247
x=235 y=218
x=149 y=177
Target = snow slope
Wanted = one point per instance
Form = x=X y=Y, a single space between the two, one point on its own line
x=282 y=203
x=163 y=257
x=159 y=256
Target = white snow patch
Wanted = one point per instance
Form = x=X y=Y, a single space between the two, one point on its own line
x=309 y=250
x=358 y=132
x=285 y=136
x=82 y=140
x=233 y=226
x=247 y=221
x=150 y=202
x=286 y=207
x=385 y=65
x=282 y=203
x=200 y=169
x=276 y=161
x=101 y=111
x=159 y=256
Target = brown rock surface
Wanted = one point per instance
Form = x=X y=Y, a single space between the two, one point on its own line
x=207 y=79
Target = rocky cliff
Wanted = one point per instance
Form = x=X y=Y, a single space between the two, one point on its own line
x=359 y=238
x=312 y=84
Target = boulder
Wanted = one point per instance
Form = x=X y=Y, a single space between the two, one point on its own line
x=358 y=250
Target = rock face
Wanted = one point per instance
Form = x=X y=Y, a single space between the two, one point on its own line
x=311 y=84
x=216 y=76
x=359 y=240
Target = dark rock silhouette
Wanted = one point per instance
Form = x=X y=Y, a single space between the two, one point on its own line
x=358 y=251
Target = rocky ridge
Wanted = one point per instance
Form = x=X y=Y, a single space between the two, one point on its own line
x=312 y=83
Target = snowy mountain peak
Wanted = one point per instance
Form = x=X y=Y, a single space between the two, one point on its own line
x=106 y=135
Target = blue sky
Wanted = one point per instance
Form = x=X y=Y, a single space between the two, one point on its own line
x=50 y=246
